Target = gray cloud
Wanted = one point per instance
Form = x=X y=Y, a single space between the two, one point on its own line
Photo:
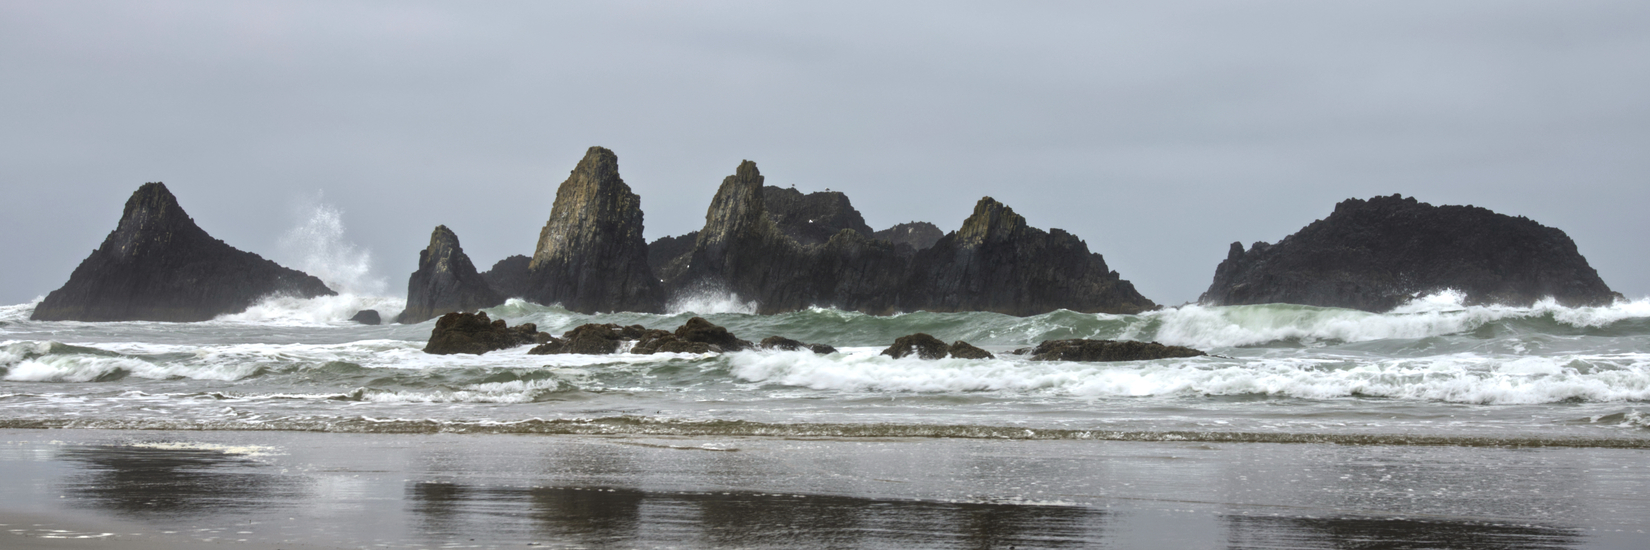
x=1159 y=133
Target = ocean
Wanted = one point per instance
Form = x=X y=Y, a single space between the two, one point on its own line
x=1451 y=387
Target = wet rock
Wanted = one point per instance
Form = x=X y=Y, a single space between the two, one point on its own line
x=445 y=282
x=510 y=277
x=1377 y=254
x=594 y=339
x=367 y=317
x=718 y=338
x=965 y=350
x=1108 y=350
x=157 y=265
x=920 y=344
x=591 y=255
x=998 y=263
x=786 y=344
x=917 y=235
x=475 y=333
x=666 y=342
x=813 y=218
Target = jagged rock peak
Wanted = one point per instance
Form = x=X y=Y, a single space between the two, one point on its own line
x=738 y=209
x=446 y=281
x=591 y=255
x=812 y=218
x=1377 y=254
x=157 y=265
x=917 y=235
x=992 y=221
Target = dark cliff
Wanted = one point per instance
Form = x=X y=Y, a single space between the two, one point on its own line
x=591 y=255
x=996 y=262
x=917 y=235
x=445 y=282
x=157 y=265
x=1377 y=254
x=812 y=218
x=510 y=277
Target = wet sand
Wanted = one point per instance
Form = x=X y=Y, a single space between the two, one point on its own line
x=134 y=489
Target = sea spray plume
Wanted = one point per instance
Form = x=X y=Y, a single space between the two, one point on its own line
x=1377 y=254
x=318 y=247
x=157 y=265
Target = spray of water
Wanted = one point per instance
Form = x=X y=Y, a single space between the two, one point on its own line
x=317 y=247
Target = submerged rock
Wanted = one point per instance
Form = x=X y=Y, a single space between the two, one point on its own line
x=474 y=333
x=925 y=346
x=1107 y=350
x=445 y=282
x=367 y=317
x=157 y=265
x=591 y=255
x=786 y=344
x=1377 y=254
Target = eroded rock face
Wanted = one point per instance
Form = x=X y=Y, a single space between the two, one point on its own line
x=509 y=277
x=917 y=235
x=591 y=255
x=1108 y=350
x=445 y=282
x=474 y=333
x=813 y=218
x=998 y=263
x=157 y=265
x=1377 y=254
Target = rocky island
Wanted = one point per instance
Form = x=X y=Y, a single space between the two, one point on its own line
x=1377 y=254
x=157 y=265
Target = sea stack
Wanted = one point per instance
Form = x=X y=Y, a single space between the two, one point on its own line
x=157 y=265
x=591 y=255
x=996 y=262
x=1377 y=254
x=446 y=282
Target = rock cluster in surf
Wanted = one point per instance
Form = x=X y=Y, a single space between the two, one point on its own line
x=1377 y=254
x=158 y=265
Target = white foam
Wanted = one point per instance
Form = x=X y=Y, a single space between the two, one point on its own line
x=316 y=246
x=1463 y=378
x=19 y=312
x=318 y=311
x=705 y=301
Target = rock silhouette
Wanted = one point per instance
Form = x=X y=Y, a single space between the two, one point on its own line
x=1377 y=254
x=591 y=255
x=1107 y=350
x=445 y=282
x=157 y=265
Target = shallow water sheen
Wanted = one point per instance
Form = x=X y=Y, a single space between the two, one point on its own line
x=1431 y=373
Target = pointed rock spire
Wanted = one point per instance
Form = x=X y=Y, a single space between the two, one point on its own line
x=591 y=255
x=157 y=265
x=446 y=282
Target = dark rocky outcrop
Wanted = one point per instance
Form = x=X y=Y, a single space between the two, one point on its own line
x=668 y=256
x=917 y=235
x=928 y=347
x=594 y=339
x=1107 y=350
x=786 y=344
x=474 y=333
x=510 y=277
x=698 y=329
x=813 y=218
x=367 y=317
x=695 y=336
x=591 y=255
x=445 y=282
x=1377 y=254
x=998 y=263
x=157 y=265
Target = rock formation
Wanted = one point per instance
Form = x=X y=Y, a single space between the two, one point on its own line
x=925 y=346
x=812 y=218
x=786 y=344
x=509 y=277
x=474 y=333
x=157 y=265
x=917 y=235
x=1106 y=350
x=1377 y=254
x=669 y=256
x=367 y=317
x=591 y=255
x=695 y=336
x=445 y=282
x=995 y=263
x=998 y=263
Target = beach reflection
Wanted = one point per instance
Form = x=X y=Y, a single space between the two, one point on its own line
x=164 y=481
x=612 y=517
x=1394 y=533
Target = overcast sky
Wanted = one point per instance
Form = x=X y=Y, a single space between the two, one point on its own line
x=1159 y=132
